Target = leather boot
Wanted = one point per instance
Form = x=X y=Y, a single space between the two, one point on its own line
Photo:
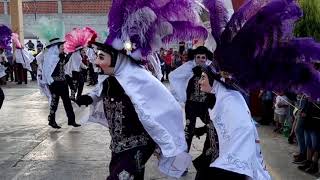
x=52 y=122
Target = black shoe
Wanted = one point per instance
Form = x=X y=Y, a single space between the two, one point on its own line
x=74 y=124
x=291 y=139
x=53 y=124
x=306 y=165
x=19 y=83
x=300 y=159
x=313 y=168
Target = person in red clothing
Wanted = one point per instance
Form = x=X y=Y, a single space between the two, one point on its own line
x=168 y=58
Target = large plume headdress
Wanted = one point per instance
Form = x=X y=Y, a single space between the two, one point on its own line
x=141 y=26
x=5 y=37
x=258 y=49
x=51 y=31
x=79 y=38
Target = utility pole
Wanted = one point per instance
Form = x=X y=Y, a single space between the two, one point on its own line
x=17 y=18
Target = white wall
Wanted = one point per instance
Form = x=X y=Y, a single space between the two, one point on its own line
x=96 y=21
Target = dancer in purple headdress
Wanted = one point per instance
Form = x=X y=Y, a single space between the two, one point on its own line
x=138 y=109
x=5 y=41
x=256 y=49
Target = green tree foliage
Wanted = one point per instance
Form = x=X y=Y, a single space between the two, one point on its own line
x=309 y=25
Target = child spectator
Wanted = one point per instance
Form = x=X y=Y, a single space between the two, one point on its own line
x=280 y=111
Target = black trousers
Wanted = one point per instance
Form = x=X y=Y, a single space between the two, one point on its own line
x=167 y=70
x=217 y=173
x=1 y=97
x=130 y=164
x=267 y=112
x=9 y=72
x=21 y=73
x=60 y=89
x=194 y=110
x=78 y=82
x=93 y=76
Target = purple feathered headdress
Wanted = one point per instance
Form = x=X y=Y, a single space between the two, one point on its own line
x=141 y=26
x=258 y=49
x=5 y=37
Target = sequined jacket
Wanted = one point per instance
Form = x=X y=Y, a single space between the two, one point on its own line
x=125 y=127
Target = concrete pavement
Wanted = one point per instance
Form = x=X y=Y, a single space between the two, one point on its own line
x=30 y=149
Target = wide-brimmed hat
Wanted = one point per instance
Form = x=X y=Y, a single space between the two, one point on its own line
x=55 y=41
x=203 y=50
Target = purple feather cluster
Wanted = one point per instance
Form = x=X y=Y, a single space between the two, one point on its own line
x=218 y=17
x=5 y=37
x=174 y=20
x=258 y=48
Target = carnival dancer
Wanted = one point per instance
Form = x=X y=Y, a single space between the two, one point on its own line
x=76 y=43
x=256 y=49
x=22 y=59
x=184 y=83
x=52 y=69
x=5 y=41
x=135 y=103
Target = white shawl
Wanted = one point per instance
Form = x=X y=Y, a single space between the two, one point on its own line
x=23 y=57
x=238 y=150
x=43 y=86
x=74 y=63
x=179 y=79
x=155 y=63
x=91 y=55
x=2 y=71
x=158 y=111
x=50 y=61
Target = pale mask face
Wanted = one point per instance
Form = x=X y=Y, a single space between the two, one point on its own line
x=201 y=59
x=204 y=83
x=104 y=62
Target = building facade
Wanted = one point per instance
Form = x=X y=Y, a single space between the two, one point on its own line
x=74 y=13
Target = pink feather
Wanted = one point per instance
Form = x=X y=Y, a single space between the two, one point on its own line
x=78 y=38
x=15 y=39
x=94 y=34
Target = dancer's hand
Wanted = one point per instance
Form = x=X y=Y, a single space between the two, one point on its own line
x=84 y=100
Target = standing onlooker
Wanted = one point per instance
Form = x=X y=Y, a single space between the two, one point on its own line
x=30 y=45
x=300 y=115
x=39 y=46
x=162 y=63
x=266 y=102
x=280 y=111
x=168 y=59
x=10 y=68
x=177 y=61
x=312 y=137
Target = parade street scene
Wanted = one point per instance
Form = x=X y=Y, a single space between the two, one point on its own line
x=159 y=89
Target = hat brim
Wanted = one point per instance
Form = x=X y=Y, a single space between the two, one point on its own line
x=56 y=43
x=109 y=49
x=212 y=75
x=104 y=47
x=203 y=50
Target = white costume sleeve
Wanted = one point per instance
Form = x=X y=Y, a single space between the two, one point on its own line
x=179 y=79
x=97 y=114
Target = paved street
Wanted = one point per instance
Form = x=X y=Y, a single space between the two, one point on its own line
x=29 y=149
